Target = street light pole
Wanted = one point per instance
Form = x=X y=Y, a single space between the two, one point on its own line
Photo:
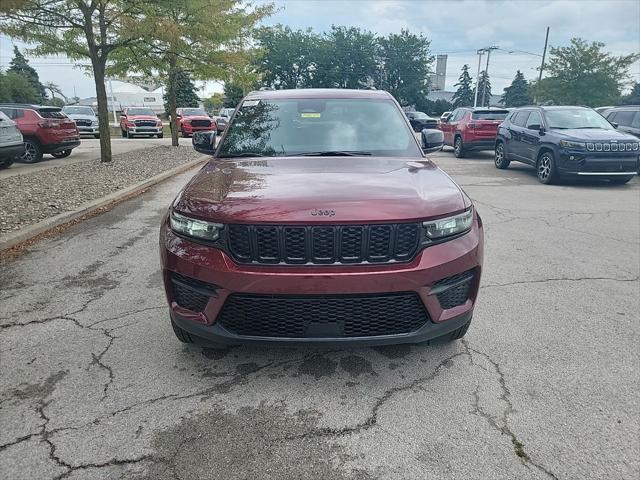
x=486 y=72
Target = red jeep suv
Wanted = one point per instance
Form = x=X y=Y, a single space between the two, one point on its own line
x=472 y=129
x=140 y=121
x=192 y=120
x=319 y=219
x=45 y=130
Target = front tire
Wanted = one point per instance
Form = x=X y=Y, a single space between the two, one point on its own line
x=97 y=135
x=458 y=148
x=500 y=159
x=181 y=334
x=32 y=151
x=160 y=135
x=129 y=135
x=546 y=168
x=6 y=163
x=62 y=154
x=124 y=133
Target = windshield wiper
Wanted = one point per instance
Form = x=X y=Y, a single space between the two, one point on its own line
x=332 y=153
x=242 y=154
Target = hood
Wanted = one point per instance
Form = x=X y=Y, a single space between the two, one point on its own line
x=593 y=135
x=80 y=116
x=196 y=117
x=289 y=189
x=142 y=117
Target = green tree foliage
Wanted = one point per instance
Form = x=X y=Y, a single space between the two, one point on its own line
x=233 y=93
x=517 y=94
x=20 y=65
x=214 y=103
x=583 y=74
x=346 y=58
x=80 y=30
x=632 y=98
x=14 y=88
x=406 y=62
x=209 y=38
x=484 y=90
x=186 y=95
x=288 y=57
x=435 y=108
x=464 y=94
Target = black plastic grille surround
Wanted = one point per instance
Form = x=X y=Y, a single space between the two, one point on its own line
x=201 y=123
x=323 y=244
x=145 y=123
x=191 y=293
x=454 y=290
x=328 y=316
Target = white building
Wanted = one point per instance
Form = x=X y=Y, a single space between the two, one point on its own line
x=123 y=94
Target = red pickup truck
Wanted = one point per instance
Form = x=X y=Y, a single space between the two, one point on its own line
x=140 y=121
x=193 y=120
x=45 y=130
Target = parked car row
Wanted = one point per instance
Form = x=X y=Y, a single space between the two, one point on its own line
x=558 y=141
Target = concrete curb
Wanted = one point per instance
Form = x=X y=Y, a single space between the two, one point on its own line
x=89 y=208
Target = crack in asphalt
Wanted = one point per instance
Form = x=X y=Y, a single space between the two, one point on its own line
x=558 y=279
x=501 y=424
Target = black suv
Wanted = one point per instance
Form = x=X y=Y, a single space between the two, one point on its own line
x=627 y=118
x=566 y=141
x=420 y=120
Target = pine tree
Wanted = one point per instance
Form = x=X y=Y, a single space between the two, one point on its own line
x=484 y=90
x=186 y=95
x=517 y=94
x=464 y=94
x=20 y=65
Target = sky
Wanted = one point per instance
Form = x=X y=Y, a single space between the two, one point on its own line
x=457 y=28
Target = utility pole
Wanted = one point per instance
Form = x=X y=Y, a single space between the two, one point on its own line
x=544 y=54
x=113 y=103
x=486 y=71
x=475 y=97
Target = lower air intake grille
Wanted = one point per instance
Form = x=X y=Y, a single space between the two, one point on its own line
x=191 y=293
x=331 y=316
x=454 y=291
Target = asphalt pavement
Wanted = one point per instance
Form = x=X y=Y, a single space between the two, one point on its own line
x=545 y=385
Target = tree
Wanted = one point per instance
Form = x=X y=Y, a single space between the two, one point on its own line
x=80 y=30
x=517 y=94
x=582 y=74
x=233 y=93
x=346 y=59
x=54 y=89
x=14 y=88
x=288 y=57
x=20 y=65
x=186 y=95
x=214 y=103
x=406 y=63
x=464 y=94
x=632 y=98
x=484 y=90
x=209 y=38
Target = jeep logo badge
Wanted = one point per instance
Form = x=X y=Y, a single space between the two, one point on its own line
x=323 y=213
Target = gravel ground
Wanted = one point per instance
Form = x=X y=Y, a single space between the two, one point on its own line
x=32 y=197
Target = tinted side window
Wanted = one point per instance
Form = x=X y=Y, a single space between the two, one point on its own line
x=458 y=115
x=636 y=120
x=623 y=117
x=534 y=119
x=520 y=119
x=9 y=112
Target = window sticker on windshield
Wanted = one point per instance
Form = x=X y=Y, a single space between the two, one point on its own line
x=250 y=103
x=309 y=115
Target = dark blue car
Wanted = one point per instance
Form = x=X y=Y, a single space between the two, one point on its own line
x=566 y=142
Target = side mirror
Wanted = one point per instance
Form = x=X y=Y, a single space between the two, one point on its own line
x=123 y=115
x=204 y=142
x=615 y=125
x=432 y=140
x=534 y=126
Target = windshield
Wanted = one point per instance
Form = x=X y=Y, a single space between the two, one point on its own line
x=51 y=113
x=78 y=111
x=316 y=126
x=489 y=115
x=140 y=111
x=576 y=118
x=193 y=111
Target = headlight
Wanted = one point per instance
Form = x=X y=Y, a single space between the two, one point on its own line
x=446 y=227
x=574 y=145
x=195 y=228
x=94 y=122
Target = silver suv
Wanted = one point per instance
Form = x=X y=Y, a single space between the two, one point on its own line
x=11 y=143
x=85 y=119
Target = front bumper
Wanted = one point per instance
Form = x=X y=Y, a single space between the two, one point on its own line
x=213 y=266
x=93 y=130
x=190 y=129
x=144 y=130
x=11 y=151
x=580 y=163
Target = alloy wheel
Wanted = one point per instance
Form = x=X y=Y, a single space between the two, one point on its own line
x=499 y=155
x=457 y=148
x=544 y=167
x=30 y=153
